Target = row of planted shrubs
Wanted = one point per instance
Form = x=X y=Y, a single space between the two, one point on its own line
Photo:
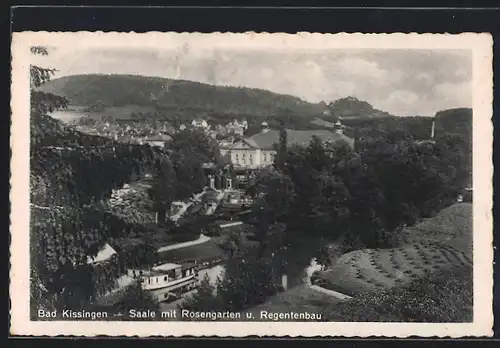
x=440 y=297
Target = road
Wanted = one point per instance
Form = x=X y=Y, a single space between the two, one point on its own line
x=200 y=240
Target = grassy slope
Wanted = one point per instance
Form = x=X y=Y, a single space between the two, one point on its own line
x=434 y=249
x=438 y=244
x=443 y=297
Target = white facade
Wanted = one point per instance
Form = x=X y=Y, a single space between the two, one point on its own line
x=163 y=276
x=200 y=124
x=242 y=155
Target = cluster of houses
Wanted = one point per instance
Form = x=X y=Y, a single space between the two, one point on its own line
x=136 y=132
x=233 y=128
x=253 y=152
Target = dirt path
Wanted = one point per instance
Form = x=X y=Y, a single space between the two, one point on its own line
x=200 y=240
x=335 y=294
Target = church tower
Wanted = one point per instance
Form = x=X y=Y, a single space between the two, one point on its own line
x=338 y=127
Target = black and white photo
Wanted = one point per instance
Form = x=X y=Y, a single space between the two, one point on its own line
x=198 y=181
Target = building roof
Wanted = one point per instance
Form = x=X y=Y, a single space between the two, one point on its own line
x=166 y=267
x=104 y=254
x=266 y=140
x=159 y=137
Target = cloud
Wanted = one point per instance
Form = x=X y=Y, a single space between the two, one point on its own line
x=356 y=66
x=402 y=82
x=399 y=102
x=454 y=94
x=425 y=77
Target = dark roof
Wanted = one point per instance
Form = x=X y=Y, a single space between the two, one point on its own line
x=266 y=140
x=322 y=123
x=160 y=137
x=211 y=197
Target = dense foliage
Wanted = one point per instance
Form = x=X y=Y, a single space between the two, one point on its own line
x=398 y=127
x=243 y=284
x=204 y=299
x=69 y=170
x=72 y=177
x=351 y=107
x=134 y=297
x=368 y=194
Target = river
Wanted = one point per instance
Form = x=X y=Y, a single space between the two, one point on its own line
x=67 y=116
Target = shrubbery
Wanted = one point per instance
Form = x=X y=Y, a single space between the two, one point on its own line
x=242 y=285
x=366 y=195
x=136 y=298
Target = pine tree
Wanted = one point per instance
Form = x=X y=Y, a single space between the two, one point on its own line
x=163 y=191
x=42 y=102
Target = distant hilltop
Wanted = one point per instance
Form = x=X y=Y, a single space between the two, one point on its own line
x=351 y=107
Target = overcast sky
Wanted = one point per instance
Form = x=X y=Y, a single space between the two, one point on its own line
x=402 y=82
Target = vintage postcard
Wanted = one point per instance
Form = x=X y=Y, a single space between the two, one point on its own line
x=172 y=184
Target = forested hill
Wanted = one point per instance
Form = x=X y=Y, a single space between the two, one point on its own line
x=455 y=121
x=105 y=91
x=353 y=108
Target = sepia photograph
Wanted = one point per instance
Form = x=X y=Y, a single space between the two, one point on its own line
x=246 y=184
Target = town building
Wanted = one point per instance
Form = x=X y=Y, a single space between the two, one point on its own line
x=156 y=140
x=200 y=123
x=237 y=127
x=259 y=150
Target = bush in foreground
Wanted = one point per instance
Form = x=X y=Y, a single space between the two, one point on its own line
x=136 y=298
x=438 y=298
x=244 y=284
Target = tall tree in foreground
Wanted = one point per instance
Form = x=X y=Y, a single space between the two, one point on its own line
x=163 y=190
x=246 y=283
x=41 y=103
x=204 y=300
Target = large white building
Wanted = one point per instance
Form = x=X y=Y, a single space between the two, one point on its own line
x=259 y=150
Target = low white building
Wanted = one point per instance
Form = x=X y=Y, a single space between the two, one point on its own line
x=157 y=140
x=259 y=150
